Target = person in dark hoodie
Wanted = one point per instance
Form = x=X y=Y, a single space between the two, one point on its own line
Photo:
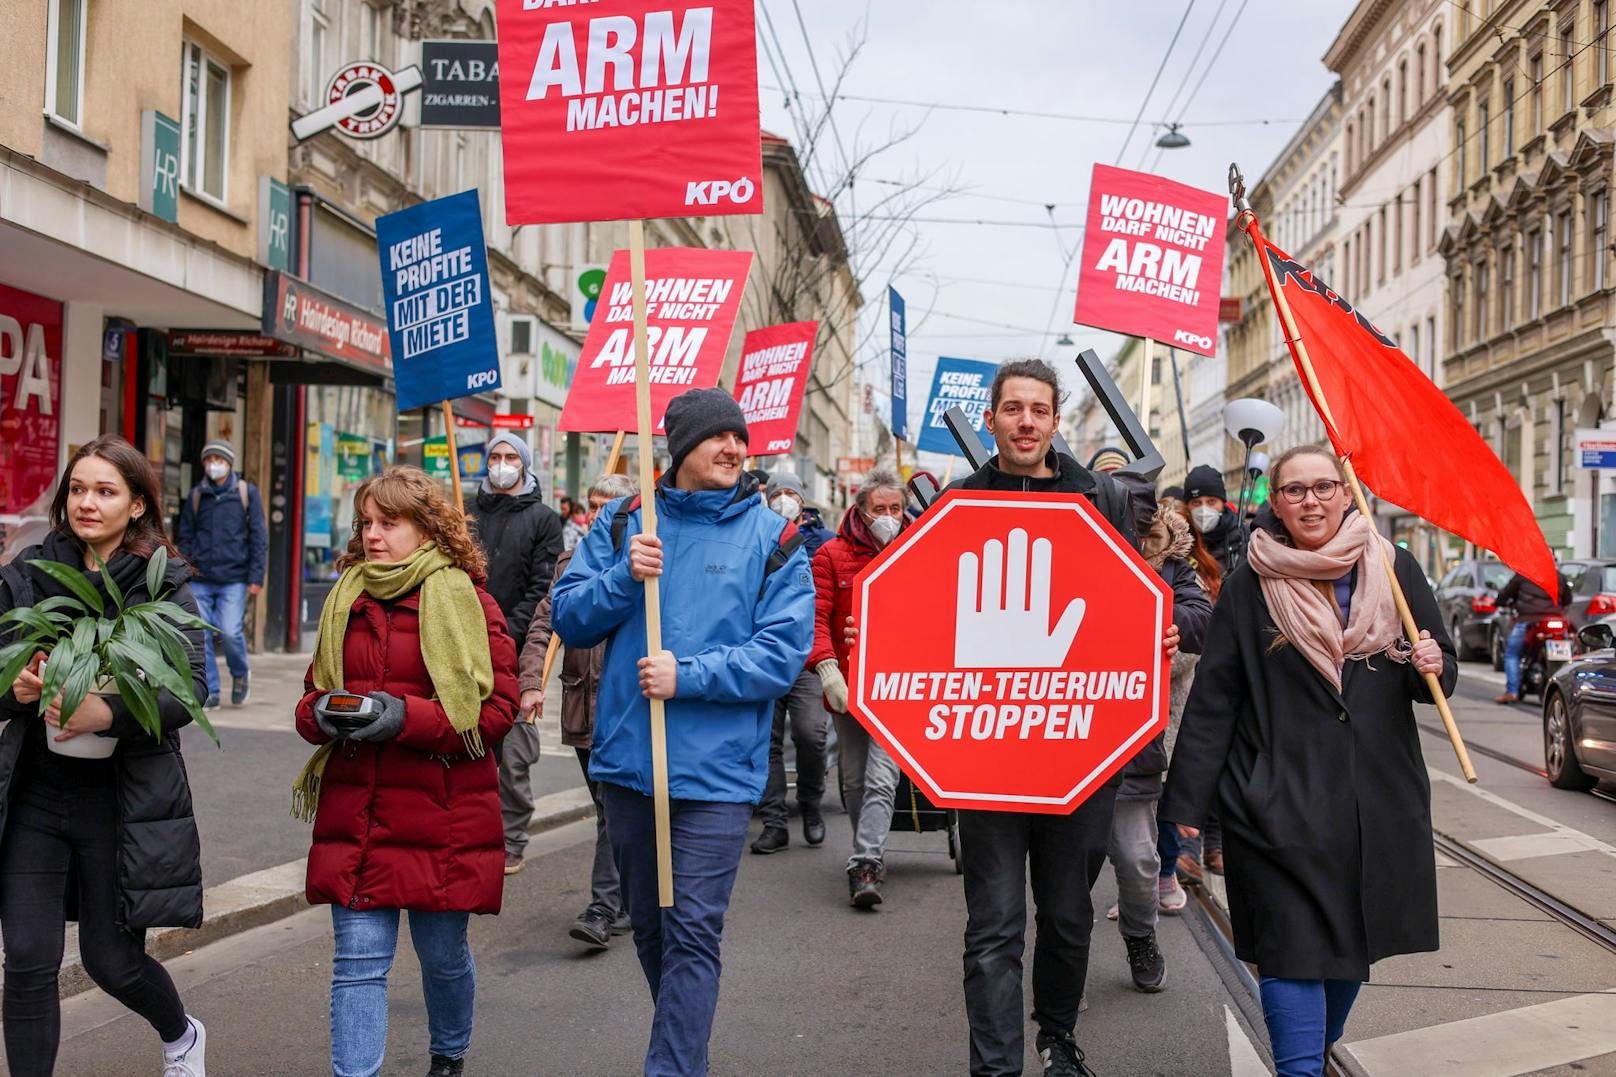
x=1066 y=851
x=1208 y=501
x=1528 y=602
x=521 y=536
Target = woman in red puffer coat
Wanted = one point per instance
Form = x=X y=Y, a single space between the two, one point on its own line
x=406 y=808
x=869 y=776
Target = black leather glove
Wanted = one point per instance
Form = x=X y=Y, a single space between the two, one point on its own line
x=386 y=725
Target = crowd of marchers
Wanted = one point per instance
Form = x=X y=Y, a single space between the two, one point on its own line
x=1290 y=766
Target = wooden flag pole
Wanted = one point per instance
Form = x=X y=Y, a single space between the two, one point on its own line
x=1144 y=381
x=653 y=593
x=454 y=454
x=616 y=453
x=948 y=471
x=1299 y=348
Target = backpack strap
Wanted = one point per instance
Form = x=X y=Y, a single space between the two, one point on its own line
x=791 y=540
x=242 y=492
x=620 y=520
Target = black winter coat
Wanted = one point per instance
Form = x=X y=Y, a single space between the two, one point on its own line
x=1142 y=777
x=159 y=849
x=522 y=537
x=1324 y=797
x=1226 y=541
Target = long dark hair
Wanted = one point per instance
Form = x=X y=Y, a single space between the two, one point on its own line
x=145 y=533
x=1206 y=566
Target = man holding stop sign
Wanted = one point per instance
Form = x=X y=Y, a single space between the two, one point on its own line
x=1016 y=690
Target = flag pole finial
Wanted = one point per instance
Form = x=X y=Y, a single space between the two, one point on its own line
x=1237 y=188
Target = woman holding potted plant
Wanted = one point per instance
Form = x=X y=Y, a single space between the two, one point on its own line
x=412 y=687
x=102 y=648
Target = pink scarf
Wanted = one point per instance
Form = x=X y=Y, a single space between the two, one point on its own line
x=1309 y=618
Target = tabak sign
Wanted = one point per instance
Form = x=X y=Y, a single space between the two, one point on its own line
x=615 y=109
x=692 y=297
x=30 y=390
x=1152 y=259
x=774 y=373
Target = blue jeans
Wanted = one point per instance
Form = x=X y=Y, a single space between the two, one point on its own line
x=366 y=941
x=1304 y=1018
x=678 y=947
x=1167 y=847
x=1512 y=658
x=225 y=605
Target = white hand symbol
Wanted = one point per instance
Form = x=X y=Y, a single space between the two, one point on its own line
x=1014 y=631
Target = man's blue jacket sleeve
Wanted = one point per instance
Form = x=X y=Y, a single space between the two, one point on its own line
x=765 y=666
x=596 y=594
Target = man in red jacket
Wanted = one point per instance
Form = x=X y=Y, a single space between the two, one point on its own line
x=869 y=776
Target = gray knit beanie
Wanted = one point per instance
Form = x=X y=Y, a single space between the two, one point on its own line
x=505 y=437
x=786 y=481
x=219 y=447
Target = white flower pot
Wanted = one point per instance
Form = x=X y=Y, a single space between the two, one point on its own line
x=85 y=745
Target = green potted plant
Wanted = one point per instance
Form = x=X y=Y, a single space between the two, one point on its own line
x=131 y=650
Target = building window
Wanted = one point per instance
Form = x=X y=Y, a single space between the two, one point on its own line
x=1402 y=91
x=1537 y=94
x=1509 y=117
x=1397 y=237
x=1562 y=237
x=1534 y=273
x=1481 y=275
x=1567 y=64
x=1558 y=456
x=1598 y=237
x=205 y=94
x=1506 y=288
x=1386 y=109
x=1366 y=254
x=1462 y=151
x=1456 y=323
x=1414 y=224
x=1601 y=53
x=1380 y=275
x=1436 y=58
x=1484 y=117
x=375 y=39
x=1369 y=129
x=1431 y=349
x=1431 y=217
x=319 y=29
x=1351 y=131
x=1419 y=73
x=64 y=61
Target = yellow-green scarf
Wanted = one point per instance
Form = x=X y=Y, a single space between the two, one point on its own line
x=454 y=644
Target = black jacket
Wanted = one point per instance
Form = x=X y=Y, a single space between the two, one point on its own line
x=1126 y=501
x=1226 y=541
x=1323 y=795
x=1529 y=601
x=159 y=850
x=1142 y=777
x=522 y=537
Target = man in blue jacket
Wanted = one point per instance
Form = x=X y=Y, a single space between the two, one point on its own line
x=737 y=623
x=223 y=534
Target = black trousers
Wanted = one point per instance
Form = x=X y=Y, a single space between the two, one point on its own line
x=804 y=708
x=1065 y=854
x=52 y=835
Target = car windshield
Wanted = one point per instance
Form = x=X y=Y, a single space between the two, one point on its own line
x=1494 y=574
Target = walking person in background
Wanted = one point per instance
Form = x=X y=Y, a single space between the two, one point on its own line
x=869 y=775
x=802 y=707
x=737 y=608
x=580 y=687
x=406 y=808
x=223 y=534
x=577 y=519
x=521 y=537
x=1300 y=728
x=111 y=842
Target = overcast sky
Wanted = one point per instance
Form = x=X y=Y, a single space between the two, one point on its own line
x=1085 y=57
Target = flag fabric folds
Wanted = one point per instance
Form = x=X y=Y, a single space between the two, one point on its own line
x=1406 y=439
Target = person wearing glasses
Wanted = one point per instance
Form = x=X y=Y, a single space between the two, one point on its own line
x=1299 y=732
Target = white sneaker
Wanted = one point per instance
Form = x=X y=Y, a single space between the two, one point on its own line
x=1170 y=897
x=193 y=1063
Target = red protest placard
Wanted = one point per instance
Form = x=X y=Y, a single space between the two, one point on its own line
x=692 y=297
x=774 y=373
x=1152 y=259
x=618 y=109
x=1009 y=651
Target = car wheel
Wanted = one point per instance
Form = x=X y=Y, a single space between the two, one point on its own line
x=1464 y=652
x=1495 y=646
x=1559 y=757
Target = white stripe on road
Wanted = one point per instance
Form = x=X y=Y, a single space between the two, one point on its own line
x=1483 y=673
x=1244 y=1059
x=1566 y=834
x=1500 y=1044
x=1526 y=846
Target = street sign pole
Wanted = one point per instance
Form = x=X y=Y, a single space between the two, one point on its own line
x=454 y=454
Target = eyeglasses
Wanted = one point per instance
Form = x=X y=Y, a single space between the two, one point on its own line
x=1324 y=490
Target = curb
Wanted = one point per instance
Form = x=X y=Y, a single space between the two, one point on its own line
x=262 y=897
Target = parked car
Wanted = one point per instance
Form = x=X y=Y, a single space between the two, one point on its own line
x=1593 y=591
x=1579 y=714
x=1468 y=599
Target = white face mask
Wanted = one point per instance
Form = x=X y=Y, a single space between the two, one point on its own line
x=1205 y=518
x=504 y=476
x=786 y=506
x=885 y=528
x=218 y=470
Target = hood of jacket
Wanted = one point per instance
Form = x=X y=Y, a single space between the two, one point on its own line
x=1069 y=477
x=712 y=505
x=1169 y=536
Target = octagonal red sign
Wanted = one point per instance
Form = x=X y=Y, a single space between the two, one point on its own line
x=1009 y=651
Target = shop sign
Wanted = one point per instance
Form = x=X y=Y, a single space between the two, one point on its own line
x=363 y=100
x=159 y=165
x=501 y=421
x=30 y=388
x=854 y=465
x=473 y=462
x=229 y=343
x=353 y=457
x=586 y=286
x=460 y=86
x=274 y=223
x=557 y=359
x=435 y=457
x=299 y=313
x=1596 y=449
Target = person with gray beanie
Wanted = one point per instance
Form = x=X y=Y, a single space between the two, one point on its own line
x=224 y=535
x=737 y=621
x=804 y=707
x=522 y=537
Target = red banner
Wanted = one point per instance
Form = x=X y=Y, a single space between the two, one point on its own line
x=1152 y=259
x=30 y=400
x=774 y=374
x=629 y=108
x=692 y=297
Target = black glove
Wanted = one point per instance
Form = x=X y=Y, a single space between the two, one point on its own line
x=385 y=726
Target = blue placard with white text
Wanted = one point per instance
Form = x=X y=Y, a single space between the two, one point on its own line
x=440 y=315
x=900 y=365
x=966 y=383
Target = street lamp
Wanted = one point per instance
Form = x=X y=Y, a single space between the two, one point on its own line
x=1174 y=139
x=1065 y=341
x=1251 y=422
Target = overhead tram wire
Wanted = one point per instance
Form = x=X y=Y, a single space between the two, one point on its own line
x=1210 y=64
x=1172 y=102
x=998 y=110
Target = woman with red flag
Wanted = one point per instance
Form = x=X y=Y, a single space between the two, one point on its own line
x=1299 y=732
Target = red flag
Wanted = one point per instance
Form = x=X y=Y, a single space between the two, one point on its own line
x=1407 y=440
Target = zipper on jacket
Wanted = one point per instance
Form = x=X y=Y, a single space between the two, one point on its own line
x=370 y=814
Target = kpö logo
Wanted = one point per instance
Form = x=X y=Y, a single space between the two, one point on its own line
x=708 y=192
x=1184 y=336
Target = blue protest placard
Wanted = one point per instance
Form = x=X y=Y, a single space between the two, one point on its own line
x=440 y=315
x=967 y=383
x=900 y=365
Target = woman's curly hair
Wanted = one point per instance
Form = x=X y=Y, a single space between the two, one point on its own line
x=408 y=493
